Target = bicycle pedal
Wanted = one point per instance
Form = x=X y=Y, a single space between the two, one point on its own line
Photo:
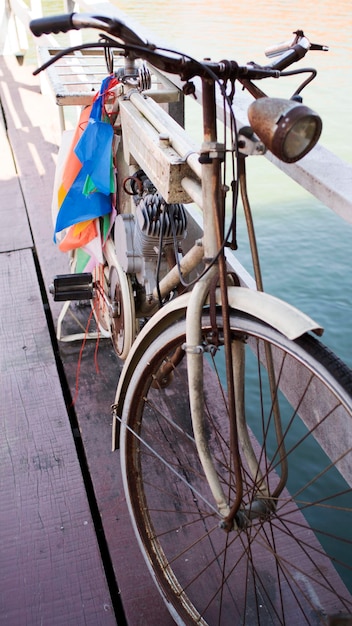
x=72 y=287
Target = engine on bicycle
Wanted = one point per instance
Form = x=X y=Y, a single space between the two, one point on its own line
x=148 y=239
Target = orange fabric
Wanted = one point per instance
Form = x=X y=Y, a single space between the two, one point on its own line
x=78 y=235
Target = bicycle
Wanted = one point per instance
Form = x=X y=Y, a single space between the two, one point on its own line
x=224 y=391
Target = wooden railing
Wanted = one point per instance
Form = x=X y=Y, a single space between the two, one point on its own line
x=323 y=174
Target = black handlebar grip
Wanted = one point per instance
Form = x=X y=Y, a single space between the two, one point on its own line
x=53 y=24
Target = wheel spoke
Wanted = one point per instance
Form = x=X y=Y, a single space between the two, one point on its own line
x=287 y=552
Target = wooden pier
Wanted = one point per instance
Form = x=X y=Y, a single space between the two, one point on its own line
x=67 y=550
x=68 y=554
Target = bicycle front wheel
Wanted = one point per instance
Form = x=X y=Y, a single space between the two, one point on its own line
x=288 y=557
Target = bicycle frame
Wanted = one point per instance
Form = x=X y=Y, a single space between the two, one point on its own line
x=199 y=178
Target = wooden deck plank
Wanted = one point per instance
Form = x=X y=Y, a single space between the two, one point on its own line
x=51 y=569
x=141 y=600
x=15 y=232
x=36 y=123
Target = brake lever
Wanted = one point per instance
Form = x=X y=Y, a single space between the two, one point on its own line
x=299 y=38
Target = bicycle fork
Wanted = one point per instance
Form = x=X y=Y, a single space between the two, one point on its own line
x=212 y=156
x=213 y=213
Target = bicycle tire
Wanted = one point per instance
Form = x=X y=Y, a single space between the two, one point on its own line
x=293 y=565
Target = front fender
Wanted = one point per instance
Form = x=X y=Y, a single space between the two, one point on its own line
x=279 y=314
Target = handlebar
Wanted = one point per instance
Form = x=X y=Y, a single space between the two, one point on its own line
x=53 y=24
x=77 y=21
x=182 y=65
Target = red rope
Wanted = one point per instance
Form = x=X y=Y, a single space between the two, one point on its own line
x=80 y=356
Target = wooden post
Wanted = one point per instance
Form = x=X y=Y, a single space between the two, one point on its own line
x=13 y=36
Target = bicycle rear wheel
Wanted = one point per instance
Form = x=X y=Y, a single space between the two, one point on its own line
x=287 y=562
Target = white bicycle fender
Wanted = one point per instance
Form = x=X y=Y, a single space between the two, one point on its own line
x=279 y=314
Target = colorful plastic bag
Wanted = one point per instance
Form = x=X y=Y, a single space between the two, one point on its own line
x=87 y=185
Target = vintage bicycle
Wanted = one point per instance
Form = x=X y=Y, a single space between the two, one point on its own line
x=225 y=391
